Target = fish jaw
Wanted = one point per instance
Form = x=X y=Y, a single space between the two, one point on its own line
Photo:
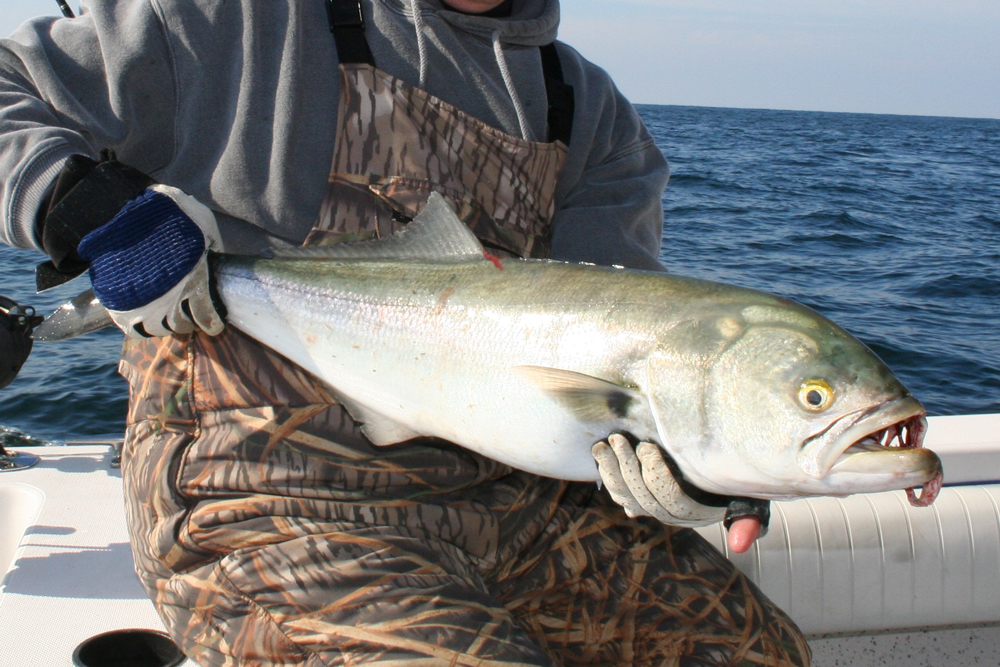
x=875 y=449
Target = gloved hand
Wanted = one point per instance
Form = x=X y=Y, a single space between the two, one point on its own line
x=149 y=264
x=639 y=480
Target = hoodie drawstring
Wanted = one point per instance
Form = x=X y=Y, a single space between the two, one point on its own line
x=522 y=119
x=418 y=24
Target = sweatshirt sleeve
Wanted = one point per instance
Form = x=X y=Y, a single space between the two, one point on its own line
x=102 y=80
x=608 y=203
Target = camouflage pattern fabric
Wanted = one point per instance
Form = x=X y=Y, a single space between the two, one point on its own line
x=269 y=531
x=276 y=535
x=382 y=173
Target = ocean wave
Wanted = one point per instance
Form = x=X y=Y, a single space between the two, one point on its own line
x=684 y=180
x=976 y=288
x=839 y=219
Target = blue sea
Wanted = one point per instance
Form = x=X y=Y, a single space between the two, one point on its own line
x=889 y=225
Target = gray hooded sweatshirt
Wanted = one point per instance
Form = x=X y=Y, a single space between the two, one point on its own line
x=235 y=102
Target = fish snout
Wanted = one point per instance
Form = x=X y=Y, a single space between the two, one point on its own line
x=883 y=457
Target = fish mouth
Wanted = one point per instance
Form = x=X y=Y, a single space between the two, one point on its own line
x=884 y=442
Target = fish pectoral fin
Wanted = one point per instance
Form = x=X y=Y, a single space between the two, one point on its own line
x=589 y=398
x=378 y=428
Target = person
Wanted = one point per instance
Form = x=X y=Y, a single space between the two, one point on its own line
x=140 y=136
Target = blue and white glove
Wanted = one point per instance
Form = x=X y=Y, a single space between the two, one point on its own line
x=149 y=265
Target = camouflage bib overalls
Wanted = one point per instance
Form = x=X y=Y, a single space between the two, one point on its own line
x=268 y=531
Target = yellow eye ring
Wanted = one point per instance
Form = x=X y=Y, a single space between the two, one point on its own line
x=816 y=395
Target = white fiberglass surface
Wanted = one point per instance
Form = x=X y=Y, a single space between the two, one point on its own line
x=19 y=507
x=969 y=447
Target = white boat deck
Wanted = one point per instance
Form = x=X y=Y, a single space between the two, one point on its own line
x=72 y=575
x=871 y=580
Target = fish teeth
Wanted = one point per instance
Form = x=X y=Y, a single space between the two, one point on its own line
x=904 y=435
x=869 y=444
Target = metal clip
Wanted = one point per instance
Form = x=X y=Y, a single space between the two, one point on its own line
x=14 y=461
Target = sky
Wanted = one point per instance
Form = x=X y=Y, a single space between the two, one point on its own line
x=920 y=57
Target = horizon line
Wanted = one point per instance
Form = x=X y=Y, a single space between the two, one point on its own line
x=852 y=113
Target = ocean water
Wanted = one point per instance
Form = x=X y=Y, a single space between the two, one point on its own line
x=889 y=225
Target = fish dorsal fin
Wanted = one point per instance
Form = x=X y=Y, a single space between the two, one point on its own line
x=589 y=398
x=436 y=233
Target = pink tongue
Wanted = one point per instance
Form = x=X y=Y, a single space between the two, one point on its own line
x=743 y=533
x=930 y=492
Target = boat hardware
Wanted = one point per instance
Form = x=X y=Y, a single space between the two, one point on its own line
x=16 y=324
x=150 y=648
x=14 y=461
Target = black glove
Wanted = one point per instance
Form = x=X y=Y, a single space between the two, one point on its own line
x=87 y=194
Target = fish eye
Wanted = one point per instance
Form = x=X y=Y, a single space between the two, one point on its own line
x=816 y=395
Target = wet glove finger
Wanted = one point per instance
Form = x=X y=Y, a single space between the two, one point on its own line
x=610 y=471
x=659 y=480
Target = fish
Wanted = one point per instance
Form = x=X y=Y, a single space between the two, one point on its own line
x=531 y=362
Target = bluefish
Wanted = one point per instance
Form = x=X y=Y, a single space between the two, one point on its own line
x=530 y=362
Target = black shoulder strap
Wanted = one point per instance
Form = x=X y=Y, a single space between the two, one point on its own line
x=562 y=102
x=347 y=24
